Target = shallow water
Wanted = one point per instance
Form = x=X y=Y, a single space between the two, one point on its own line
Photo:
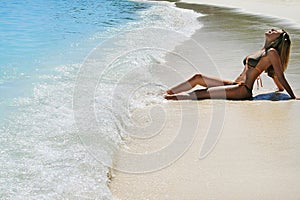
x=44 y=45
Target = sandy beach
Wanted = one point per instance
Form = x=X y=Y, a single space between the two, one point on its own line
x=215 y=149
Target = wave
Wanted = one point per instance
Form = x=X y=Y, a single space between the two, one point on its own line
x=51 y=145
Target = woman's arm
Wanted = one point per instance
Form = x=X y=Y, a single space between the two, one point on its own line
x=278 y=84
x=278 y=69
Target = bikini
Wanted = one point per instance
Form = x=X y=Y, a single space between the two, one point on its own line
x=251 y=62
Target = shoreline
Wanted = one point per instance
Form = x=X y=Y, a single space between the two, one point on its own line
x=280 y=9
x=254 y=158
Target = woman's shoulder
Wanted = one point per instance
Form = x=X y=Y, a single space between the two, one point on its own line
x=271 y=51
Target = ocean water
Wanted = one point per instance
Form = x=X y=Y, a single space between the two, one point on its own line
x=55 y=56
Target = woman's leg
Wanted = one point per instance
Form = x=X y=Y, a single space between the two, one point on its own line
x=198 y=79
x=238 y=92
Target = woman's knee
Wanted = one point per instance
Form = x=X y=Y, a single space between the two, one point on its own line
x=198 y=75
x=200 y=80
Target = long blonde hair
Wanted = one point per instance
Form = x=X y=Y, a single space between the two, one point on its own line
x=283 y=46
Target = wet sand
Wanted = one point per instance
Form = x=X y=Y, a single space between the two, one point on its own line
x=223 y=149
x=282 y=9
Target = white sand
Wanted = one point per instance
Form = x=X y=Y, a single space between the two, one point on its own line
x=254 y=159
x=284 y=9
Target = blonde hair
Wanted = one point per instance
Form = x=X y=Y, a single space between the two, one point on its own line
x=283 y=45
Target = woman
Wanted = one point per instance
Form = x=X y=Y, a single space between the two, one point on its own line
x=272 y=58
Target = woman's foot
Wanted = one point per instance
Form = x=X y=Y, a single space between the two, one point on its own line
x=179 y=97
x=170 y=97
x=169 y=92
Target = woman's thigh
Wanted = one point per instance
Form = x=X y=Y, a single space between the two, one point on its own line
x=237 y=92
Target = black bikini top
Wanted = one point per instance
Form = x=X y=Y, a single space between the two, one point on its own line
x=252 y=62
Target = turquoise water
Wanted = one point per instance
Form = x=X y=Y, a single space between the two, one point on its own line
x=43 y=46
x=37 y=35
x=31 y=30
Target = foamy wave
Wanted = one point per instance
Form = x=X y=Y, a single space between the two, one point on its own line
x=127 y=61
x=166 y=15
x=45 y=157
x=162 y=15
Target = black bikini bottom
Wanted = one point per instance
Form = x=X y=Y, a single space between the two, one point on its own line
x=249 y=92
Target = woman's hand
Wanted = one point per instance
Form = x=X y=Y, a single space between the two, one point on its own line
x=297 y=98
